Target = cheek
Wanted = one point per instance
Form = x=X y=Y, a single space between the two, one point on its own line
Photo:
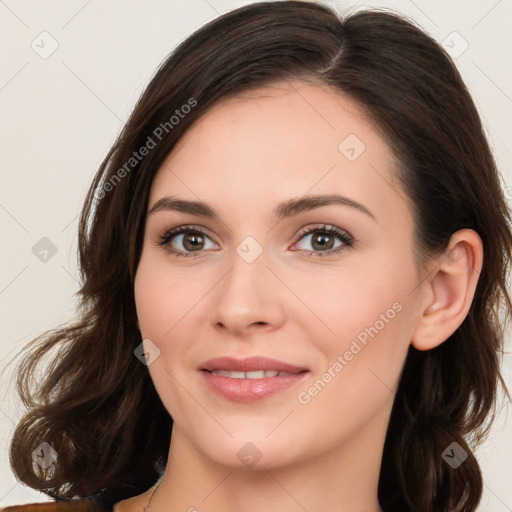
x=162 y=298
x=161 y=303
x=364 y=334
x=344 y=302
x=355 y=388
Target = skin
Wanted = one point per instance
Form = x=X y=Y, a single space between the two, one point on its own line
x=243 y=157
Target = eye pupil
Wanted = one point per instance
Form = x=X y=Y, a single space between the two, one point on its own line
x=320 y=239
x=193 y=239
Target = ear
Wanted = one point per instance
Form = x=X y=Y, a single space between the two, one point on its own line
x=449 y=290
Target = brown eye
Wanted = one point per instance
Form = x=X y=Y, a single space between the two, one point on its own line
x=184 y=240
x=325 y=240
x=192 y=242
x=322 y=241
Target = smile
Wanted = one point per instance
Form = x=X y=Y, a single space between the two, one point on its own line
x=258 y=374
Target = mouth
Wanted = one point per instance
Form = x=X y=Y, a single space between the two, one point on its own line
x=257 y=374
x=251 y=379
x=249 y=366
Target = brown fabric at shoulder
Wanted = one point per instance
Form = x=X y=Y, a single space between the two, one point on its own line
x=51 y=507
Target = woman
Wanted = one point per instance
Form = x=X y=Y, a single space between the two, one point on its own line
x=294 y=295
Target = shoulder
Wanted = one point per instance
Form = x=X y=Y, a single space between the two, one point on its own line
x=133 y=504
x=53 y=506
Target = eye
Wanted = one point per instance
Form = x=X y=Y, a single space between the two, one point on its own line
x=322 y=240
x=185 y=240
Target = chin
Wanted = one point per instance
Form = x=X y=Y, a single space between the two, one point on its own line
x=252 y=452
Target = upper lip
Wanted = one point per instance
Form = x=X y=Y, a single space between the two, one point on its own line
x=250 y=364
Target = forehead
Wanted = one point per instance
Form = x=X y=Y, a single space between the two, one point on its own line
x=285 y=140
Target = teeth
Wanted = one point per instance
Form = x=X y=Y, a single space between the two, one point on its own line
x=259 y=374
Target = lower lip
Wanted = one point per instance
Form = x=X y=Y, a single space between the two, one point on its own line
x=250 y=390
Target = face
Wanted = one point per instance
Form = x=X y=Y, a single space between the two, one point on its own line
x=330 y=287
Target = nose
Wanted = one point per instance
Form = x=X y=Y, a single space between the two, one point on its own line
x=249 y=298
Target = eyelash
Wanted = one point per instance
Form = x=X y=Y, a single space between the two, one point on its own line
x=346 y=238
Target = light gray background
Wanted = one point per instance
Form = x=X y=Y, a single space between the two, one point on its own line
x=60 y=114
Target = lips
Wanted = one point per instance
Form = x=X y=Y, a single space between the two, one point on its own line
x=258 y=374
x=250 y=364
x=251 y=379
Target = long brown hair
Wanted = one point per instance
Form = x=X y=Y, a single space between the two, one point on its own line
x=97 y=406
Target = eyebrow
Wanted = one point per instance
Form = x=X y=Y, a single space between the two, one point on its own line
x=287 y=209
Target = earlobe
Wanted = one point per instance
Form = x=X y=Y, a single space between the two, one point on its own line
x=449 y=290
